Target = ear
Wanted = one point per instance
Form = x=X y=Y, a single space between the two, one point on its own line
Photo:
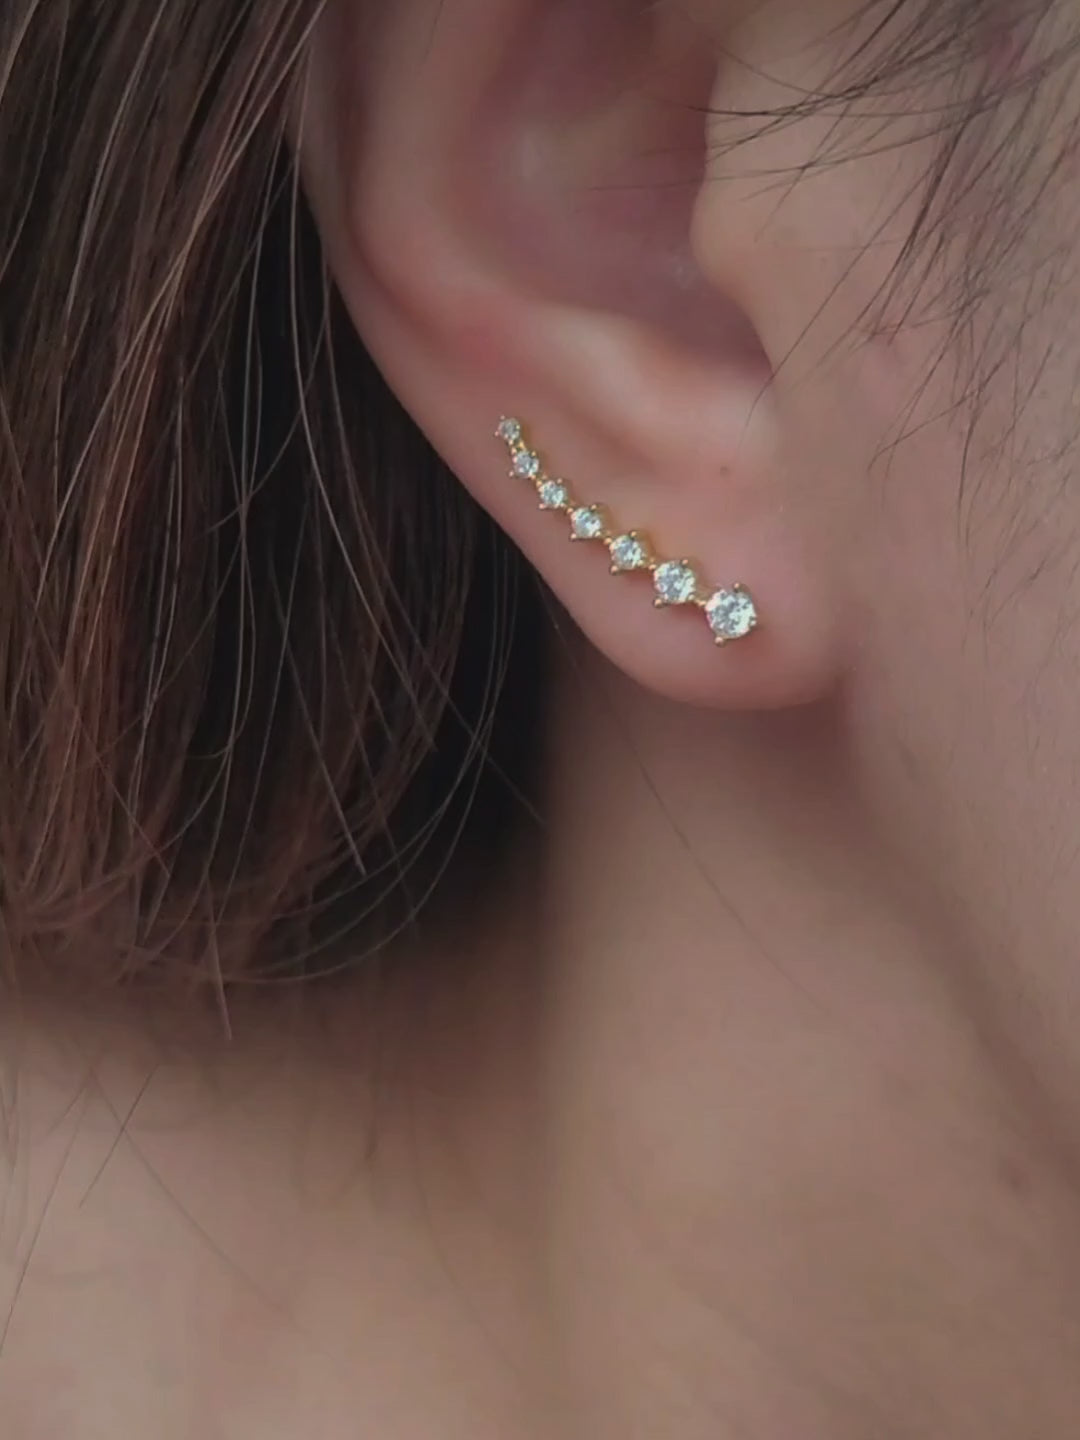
x=506 y=190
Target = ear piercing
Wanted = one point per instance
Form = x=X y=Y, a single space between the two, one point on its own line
x=730 y=612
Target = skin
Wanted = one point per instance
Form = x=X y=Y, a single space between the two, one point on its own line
x=747 y=1106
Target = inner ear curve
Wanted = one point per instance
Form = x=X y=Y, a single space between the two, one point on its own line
x=578 y=164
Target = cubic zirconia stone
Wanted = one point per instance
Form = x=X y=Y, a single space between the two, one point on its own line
x=554 y=495
x=629 y=553
x=526 y=464
x=676 y=583
x=732 y=614
x=587 y=523
x=509 y=430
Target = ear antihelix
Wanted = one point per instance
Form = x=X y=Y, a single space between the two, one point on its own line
x=730 y=611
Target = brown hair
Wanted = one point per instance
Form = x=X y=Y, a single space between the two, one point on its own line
x=252 y=636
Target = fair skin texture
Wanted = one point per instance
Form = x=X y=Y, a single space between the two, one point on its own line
x=747 y=1108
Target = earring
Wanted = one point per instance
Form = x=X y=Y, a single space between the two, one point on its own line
x=730 y=612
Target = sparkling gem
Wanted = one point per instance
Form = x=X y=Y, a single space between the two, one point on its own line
x=732 y=614
x=509 y=430
x=553 y=495
x=676 y=583
x=629 y=552
x=587 y=523
x=527 y=464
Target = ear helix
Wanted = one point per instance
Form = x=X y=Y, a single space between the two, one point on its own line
x=730 y=611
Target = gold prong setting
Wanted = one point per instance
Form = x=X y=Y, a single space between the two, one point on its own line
x=589 y=522
x=632 y=551
x=730 y=611
x=732 y=614
x=526 y=464
x=677 y=582
x=554 y=495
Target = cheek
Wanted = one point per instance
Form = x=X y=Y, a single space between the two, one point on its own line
x=930 y=429
x=860 y=396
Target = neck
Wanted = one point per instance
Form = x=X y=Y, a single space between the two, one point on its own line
x=700 y=1133
x=788 y=1168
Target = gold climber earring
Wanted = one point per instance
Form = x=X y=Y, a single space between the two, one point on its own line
x=730 y=611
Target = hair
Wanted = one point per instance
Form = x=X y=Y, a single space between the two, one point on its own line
x=252 y=637
x=262 y=662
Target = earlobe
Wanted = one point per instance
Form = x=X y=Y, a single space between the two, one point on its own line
x=730 y=610
x=534 y=264
x=666 y=621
